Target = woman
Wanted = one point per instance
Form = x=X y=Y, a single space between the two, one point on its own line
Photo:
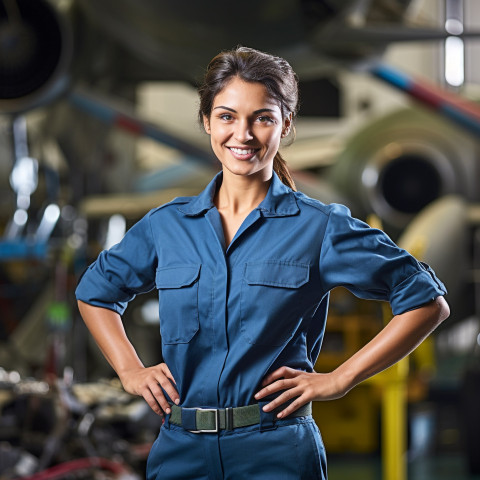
x=243 y=272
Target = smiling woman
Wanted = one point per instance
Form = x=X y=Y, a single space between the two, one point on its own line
x=243 y=273
x=245 y=128
x=270 y=79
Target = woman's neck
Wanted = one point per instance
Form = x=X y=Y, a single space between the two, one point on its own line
x=239 y=195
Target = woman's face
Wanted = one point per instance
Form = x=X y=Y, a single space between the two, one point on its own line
x=245 y=128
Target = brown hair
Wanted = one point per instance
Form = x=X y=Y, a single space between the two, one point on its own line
x=251 y=65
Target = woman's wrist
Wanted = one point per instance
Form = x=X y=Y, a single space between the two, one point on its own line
x=345 y=379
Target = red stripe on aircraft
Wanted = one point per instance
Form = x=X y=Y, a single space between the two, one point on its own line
x=128 y=124
x=437 y=98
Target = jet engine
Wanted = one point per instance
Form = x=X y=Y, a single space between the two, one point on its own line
x=402 y=162
x=36 y=49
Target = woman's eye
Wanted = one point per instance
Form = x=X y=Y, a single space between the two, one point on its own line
x=265 y=119
x=226 y=116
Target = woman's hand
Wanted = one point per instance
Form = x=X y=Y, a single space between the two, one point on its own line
x=107 y=329
x=146 y=382
x=397 y=339
x=304 y=387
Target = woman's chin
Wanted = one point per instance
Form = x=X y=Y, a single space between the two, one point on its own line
x=247 y=169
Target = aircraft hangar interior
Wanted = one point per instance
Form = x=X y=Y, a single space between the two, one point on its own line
x=99 y=125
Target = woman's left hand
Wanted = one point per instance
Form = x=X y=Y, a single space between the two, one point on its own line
x=397 y=339
x=303 y=387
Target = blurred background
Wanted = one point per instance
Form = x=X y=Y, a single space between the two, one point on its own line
x=98 y=125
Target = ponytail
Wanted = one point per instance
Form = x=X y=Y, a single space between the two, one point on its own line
x=281 y=169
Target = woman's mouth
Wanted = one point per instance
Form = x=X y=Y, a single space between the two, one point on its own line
x=243 y=153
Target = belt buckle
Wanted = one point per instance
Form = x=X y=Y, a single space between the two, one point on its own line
x=217 y=416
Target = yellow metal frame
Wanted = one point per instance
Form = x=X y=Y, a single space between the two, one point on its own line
x=393 y=383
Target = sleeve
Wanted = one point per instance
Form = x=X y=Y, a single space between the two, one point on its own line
x=369 y=264
x=123 y=271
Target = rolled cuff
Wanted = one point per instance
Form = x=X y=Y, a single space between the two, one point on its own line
x=419 y=289
x=94 y=289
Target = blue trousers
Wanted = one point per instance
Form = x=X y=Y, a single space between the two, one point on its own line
x=291 y=450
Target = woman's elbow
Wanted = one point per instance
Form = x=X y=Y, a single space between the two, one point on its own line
x=442 y=311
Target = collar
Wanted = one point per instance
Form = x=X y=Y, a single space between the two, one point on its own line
x=279 y=201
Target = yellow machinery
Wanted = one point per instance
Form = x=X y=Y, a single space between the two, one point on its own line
x=376 y=409
x=349 y=424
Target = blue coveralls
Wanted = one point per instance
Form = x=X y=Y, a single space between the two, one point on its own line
x=229 y=315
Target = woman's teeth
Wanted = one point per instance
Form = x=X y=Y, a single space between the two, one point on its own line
x=242 y=151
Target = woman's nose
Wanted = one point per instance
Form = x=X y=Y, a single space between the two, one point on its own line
x=243 y=132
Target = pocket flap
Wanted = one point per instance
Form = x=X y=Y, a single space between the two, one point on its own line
x=177 y=276
x=277 y=274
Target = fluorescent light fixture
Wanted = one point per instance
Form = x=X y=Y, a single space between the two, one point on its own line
x=454 y=61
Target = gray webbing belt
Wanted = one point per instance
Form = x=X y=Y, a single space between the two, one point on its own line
x=211 y=420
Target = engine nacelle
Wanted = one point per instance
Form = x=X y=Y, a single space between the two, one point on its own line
x=36 y=50
x=402 y=162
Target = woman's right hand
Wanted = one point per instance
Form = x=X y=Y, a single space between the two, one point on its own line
x=107 y=329
x=146 y=382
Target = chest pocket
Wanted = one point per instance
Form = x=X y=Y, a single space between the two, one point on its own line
x=272 y=300
x=178 y=302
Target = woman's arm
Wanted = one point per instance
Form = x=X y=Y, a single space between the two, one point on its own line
x=107 y=329
x=396 y=340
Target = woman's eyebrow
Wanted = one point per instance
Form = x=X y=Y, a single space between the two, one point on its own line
x=226 y=108
x=262 y=110
x=256 y=112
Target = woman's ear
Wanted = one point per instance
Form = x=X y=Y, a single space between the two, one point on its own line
x=206 y=124
x=287 y=124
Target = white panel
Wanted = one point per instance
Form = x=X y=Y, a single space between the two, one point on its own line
x=472 y=45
